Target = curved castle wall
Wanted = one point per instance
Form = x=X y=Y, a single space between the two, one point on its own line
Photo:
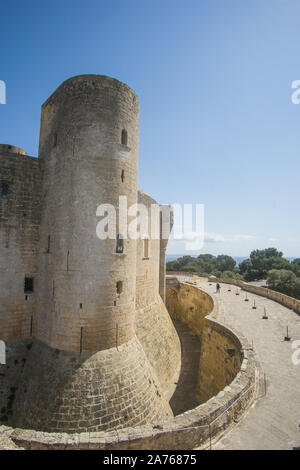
x=79 y=308
x=86 y=369
x=154 y=326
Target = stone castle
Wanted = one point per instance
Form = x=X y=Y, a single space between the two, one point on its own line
x=103 y=350
x=90 y=344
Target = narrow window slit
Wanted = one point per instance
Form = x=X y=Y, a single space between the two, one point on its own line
x=120 y=244
x=124 y=137
x=48 y=244
x=119 y=287
x=81 y=338
x=146 y=247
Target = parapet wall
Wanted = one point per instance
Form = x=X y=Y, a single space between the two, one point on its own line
x=220 y=359
x=190 y=305
x=283 y=299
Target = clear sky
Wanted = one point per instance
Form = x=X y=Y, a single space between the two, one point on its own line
x=213 y=77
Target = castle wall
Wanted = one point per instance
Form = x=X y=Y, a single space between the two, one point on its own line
x=110 y=389
x=189 y=430
x=20 y=196
x=10 y=373
x=220 y=360
x=190 y=305
x=154 y=327
x=79 y=308
x=87 y=369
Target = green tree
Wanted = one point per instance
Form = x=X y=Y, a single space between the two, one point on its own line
x=282 y=280
x=225 y=263
x=261 y=262
x=295 y=266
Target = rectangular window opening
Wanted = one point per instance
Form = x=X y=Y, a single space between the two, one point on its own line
x=4 y=189
x=119 y=287
x=48 y=244
x=28 y=285
x=146 y=247
x=120 y=244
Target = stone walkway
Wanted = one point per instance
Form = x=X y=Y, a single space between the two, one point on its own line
x=273 y=421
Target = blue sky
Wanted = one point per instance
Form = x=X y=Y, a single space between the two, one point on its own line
x=214 y=81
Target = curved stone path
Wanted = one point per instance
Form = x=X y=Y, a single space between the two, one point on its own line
x=273 y=421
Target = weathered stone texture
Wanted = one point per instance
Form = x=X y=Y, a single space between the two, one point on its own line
x=220 y=360
x=154 y=327
x=80 y=145
x=10 y=373
x=109 y=389
x=190 y=305
x=19 y=234
x=87 y=369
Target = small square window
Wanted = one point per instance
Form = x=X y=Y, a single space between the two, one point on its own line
x=28 y=285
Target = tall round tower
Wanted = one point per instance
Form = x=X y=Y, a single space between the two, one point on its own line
x=89 y=144
x=87 y=370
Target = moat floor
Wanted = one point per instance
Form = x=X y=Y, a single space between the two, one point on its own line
x=273 y=421
x=184 y=395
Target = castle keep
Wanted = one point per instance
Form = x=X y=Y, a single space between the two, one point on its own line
x=90 y=344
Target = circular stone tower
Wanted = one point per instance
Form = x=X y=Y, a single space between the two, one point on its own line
x=86 y=370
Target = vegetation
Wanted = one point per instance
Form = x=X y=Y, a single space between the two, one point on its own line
x=281 y=275
x=284 y=281
x=220 y=266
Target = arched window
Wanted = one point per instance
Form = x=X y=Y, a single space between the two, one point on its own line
x=124 y=137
